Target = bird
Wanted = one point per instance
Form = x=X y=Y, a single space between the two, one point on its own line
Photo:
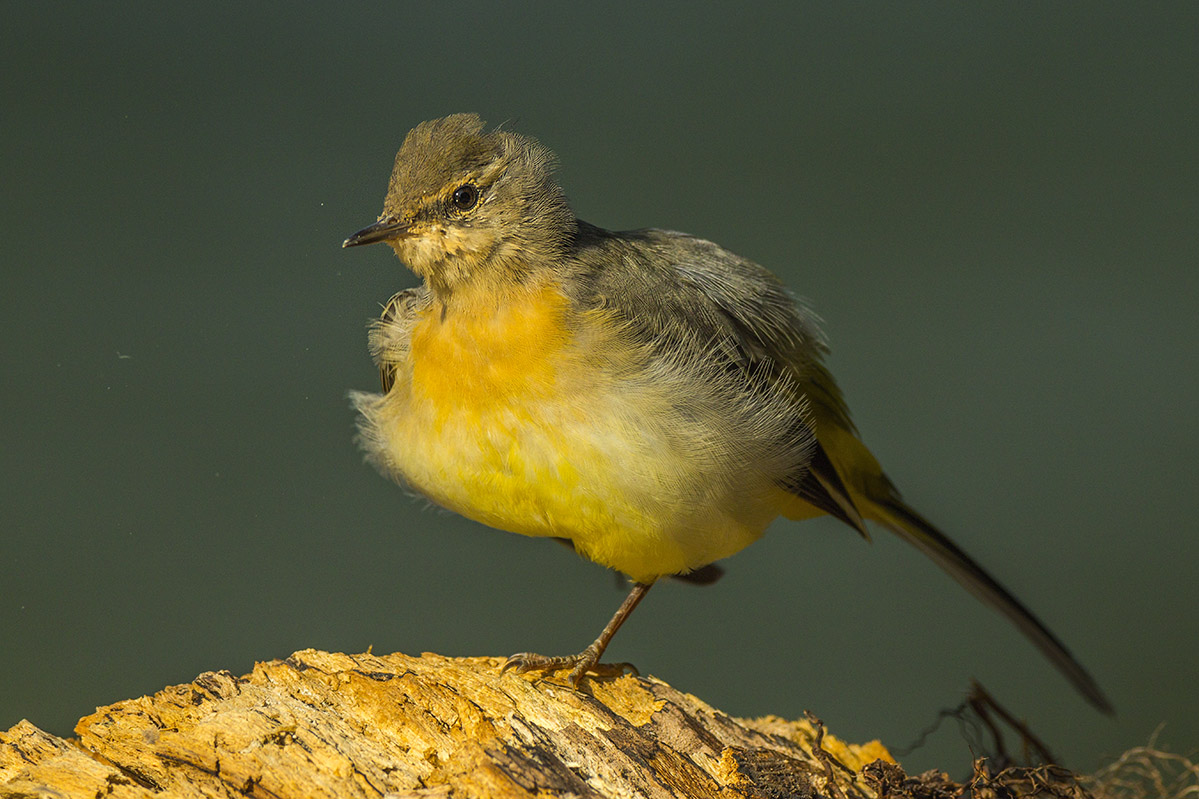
x=648 y=397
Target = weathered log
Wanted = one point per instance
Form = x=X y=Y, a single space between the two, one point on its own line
x=322 y=724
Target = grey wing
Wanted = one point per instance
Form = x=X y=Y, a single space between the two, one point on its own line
x=773 y=335
x=774 y=326
x=673 y=284
x=731 y=321
x=769 y=322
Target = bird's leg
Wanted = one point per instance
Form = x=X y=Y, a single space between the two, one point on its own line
x=588 y=659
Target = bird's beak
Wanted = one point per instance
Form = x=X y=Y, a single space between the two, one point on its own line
x=384 y=229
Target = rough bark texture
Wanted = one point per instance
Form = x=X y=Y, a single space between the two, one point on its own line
x=324 y=724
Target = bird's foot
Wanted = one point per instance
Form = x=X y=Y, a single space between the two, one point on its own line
x=586 y=662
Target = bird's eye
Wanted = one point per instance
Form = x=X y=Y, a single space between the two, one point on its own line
x=465 y=197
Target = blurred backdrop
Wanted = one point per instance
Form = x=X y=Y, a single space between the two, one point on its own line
x=994 y=209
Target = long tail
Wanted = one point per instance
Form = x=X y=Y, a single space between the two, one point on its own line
x=846 y=481
x=909 y=525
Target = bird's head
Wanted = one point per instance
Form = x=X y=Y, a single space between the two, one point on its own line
x=469 y=207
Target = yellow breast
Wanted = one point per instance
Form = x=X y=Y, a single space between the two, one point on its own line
x=482 y=424
x=521 y=417
x=474 y=362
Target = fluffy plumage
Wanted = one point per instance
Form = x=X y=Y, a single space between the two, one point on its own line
x=646 y=395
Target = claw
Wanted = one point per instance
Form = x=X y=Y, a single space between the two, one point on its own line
x=587 y=660
x=580 y=665
x=522 y=662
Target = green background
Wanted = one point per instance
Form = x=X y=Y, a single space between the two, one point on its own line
x=995 y=208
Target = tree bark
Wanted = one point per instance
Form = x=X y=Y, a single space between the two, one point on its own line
x=322 y=724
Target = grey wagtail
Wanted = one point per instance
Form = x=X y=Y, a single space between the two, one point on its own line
x=647 y=396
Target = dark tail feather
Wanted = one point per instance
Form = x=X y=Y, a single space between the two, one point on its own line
x=916 y=530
